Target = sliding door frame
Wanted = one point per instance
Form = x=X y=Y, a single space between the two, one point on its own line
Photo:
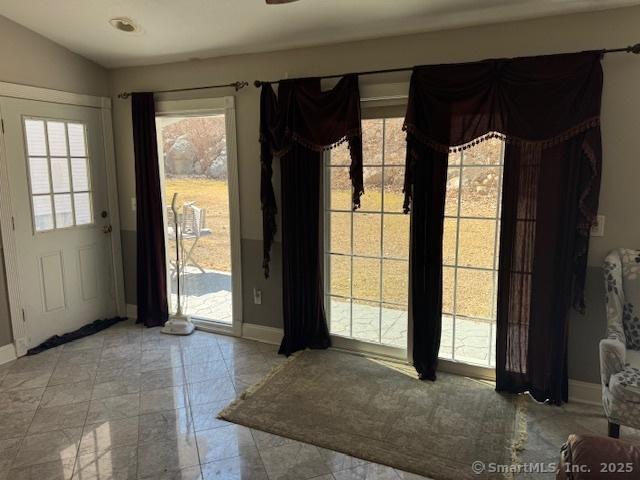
x=372 y=96
x=199 y=108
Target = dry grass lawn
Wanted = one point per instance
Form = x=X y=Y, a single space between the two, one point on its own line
x=213 y=251
x=476 y=246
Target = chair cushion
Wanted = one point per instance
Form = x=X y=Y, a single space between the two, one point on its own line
x=633 y=358
x=631 y=289
x=625 y=385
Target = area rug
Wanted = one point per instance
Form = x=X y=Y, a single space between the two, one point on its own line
x=379 y=411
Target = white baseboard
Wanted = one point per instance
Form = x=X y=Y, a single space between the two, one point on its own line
x=263 y=334
x=582 y=392
x=132 y=311
x=585 y=392
x=7 y=353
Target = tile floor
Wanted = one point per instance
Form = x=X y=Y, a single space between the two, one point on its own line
x=134 y=403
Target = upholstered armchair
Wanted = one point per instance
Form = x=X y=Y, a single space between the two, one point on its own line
x=620 y=350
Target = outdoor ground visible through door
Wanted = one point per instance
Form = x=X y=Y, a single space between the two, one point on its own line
x=194 y=156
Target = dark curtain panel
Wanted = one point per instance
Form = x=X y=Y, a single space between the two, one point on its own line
x=427 y=223
x=305 y=324
x=296 y=126
x=547 y=110
x=543 y=246
x=151 y=267
x=302 y=114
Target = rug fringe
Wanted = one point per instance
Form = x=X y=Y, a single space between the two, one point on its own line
x=222 y=414
x=520 y=434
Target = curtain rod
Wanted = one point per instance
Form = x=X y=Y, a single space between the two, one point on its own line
x=258 y=83
x=237 y=85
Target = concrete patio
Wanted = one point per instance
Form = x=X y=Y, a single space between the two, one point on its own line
x=208 y=295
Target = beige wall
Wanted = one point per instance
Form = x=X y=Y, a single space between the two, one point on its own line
x=30 y=59
x=620 y=117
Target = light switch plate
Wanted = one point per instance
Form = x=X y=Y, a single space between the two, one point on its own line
x=133 y=204
x=597 y=230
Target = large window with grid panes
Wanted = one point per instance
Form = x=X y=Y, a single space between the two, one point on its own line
x=367 y=250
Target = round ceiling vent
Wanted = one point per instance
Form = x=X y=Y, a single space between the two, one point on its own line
x=124 y=24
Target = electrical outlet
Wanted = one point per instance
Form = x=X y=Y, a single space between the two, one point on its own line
x=257 y=296
x=597 y=230
x=133 y=204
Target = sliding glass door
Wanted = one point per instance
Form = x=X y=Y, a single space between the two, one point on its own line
x=367 y=250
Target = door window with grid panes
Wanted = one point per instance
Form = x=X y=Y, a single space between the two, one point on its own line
x=367 y=250
x=470 y=253
x=59 y=173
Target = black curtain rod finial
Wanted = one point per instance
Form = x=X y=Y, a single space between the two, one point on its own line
x=634 y=48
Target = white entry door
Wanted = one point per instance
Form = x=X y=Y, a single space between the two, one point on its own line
x=58 y=184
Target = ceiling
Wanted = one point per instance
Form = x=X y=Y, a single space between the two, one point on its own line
x=174 y=30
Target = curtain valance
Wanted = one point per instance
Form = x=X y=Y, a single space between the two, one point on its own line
x=302 y=114
x=531 y=99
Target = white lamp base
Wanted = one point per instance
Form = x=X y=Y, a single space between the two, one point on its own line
x=178 y=324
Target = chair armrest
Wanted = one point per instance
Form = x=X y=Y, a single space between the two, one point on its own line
x=612 y=358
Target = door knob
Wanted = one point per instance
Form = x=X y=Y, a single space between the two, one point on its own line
x=107 y=229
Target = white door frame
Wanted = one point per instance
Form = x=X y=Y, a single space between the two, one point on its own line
x=12 y=90
x=212 y=106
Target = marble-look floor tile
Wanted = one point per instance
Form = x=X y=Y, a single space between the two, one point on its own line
x=20 y=400
x=107 y=375
x=370 y=471
x=8 y=451
x=167 y=425
x=15 y=424
x=205 y=415
x=103 y=436
x=123 y=385
x=298 y=461
x=114 y=408
x=117 y=463
x=56 y=470
x=188 y=473
x=121 y=352
x=48 y=447
x=79 y=357
x=225 y=442
x=70 y=373
x=243 y=467
x=199 y=339
x=166 y=456
x=160 y=358
x=201 y=372
x=66 y=394
x=23 y=380
x=337 y=461
x=268 y=440
x=56 y=418
x=92 y=342
x=168 y=398
x=196 y=355
x=43 y=361
x=165 y=377
x=215 y=390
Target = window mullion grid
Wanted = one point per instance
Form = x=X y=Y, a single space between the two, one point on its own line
x=455 y=261
x=48 y=153
x=384 y=123
x=71 y=192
